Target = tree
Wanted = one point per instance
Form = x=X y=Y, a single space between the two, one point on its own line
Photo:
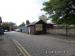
x=27 y=22
x=23 y=24
x=5 y=26
x=43 y=17
x=8 y=25
x=61 y=11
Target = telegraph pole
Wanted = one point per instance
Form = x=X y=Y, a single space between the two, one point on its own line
x=0 y=21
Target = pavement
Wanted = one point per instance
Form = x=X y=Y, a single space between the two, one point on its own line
x=63 y=37
x=7 y=48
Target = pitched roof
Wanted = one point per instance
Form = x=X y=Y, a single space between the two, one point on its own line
x=33 y=23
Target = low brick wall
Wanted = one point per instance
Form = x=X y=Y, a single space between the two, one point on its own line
x=61 y=31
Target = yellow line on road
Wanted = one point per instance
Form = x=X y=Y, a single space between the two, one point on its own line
x=21 y=48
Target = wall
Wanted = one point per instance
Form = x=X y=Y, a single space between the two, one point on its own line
x=23 y=29
x=61 y=31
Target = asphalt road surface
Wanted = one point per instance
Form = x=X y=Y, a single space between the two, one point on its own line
x=43 y=45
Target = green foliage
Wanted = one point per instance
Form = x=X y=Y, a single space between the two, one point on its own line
x=61 y=11
x=7 y=25
x=23 y=24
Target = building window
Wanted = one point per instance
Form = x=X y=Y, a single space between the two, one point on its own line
x=38 y=27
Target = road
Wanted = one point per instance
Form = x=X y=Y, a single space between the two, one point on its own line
x=43 y=45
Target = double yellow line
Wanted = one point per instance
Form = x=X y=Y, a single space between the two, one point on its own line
x=23 y=51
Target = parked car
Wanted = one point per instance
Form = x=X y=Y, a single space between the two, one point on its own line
x=1 y=31
x=6 y=30
x=17 y=30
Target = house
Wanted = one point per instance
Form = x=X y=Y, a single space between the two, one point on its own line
x=23 y=29
x=37 y=27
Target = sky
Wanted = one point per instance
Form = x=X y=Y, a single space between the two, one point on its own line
x=19 y=11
